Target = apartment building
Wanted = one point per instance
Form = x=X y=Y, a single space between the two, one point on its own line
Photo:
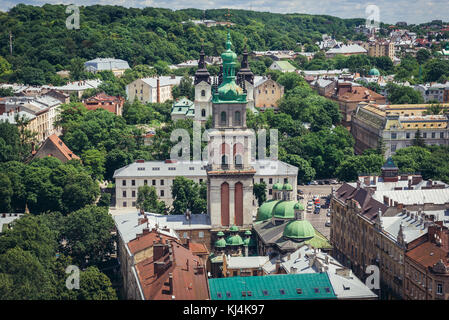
x=396 y=126
x=152 y=90
x=379 y=48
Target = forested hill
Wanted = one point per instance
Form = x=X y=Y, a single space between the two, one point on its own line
x=146 y=36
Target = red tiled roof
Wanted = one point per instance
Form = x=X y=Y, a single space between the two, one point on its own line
x=188 y=284
x=427 y=254
x=60 y=145
x=360 y=94
x=146 y=241
x=198 y=248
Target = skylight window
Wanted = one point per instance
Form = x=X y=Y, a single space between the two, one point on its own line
x=316 y=290
x=327 y=289
x=298 y=290
x=282 y=291
x=228 y=294
x=219 y=295
x=265 y=292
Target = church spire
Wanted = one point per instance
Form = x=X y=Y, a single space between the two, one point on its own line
x=202 y=74
x=245 y=72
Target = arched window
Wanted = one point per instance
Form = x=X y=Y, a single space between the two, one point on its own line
x=237 y=117
x=203 y=112
x=203 y=93
x=223 y=117
x=238 y=161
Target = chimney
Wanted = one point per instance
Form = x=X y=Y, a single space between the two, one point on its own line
x=170 y=282
x=278 y=265
x=293 y=270
x=158 y=90
x=158 y=251
x=366 y=181
x=187 y=244
x=159 y=267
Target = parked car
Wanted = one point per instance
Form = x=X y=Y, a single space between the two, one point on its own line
x=317 y=201
x=333 y=181
x=300 y=191
x=309 y=208
x=300 y=197
x=328 y=214
x=317 y=210
x=313 y=183
x=328 y=223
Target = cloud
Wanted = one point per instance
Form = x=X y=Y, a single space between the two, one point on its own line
x=391 y=11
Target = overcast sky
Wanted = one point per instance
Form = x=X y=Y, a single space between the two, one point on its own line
x=390 y=11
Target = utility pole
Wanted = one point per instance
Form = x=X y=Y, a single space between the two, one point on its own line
x=10 y=42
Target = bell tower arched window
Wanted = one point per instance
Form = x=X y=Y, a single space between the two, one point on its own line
x=203 y=112
x=223 y=117
x=237 y=118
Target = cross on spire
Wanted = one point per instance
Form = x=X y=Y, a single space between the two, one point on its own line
x=228 y=16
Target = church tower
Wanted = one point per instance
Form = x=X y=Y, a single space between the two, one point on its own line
x=229 y=170
x=202 y=85
x=245 y=78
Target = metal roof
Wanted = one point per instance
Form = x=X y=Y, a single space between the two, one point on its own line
x=273 y=287
x=197 y=169
x=409 y=197
x=100 y=64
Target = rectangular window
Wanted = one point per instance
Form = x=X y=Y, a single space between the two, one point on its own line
x=162 y=193
x=123 y=182
x=407 y=135
x=271 y=180
x=153 y=182
x=393 y=135
x=201 y=180
x=162 y=182
x=133 y=203
x=393 y=147
x=124 y=203
x=133 y=193
x=440 y=288
x=285 y=180
x=133 y=182
x=145 y=182
x=433 y=135
x=270 y=192
x=424 y=135
x=124 y=194
x=201 y=234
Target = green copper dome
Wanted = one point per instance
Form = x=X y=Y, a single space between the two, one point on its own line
x=228 y=91
x=266 y=209
x=220 y=243
x=220 y=233
x=249 y=242
x=234 y=228
x=287 y=187
x=247 y=233
x=298 y=206
x=234 y=240
x=278 y=186
x=285 y=210
x=299 y=229
x=374 y=72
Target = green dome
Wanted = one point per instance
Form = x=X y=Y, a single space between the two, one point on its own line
x=249 y=242
x=278 y=186
x=234 y=228
x=266 y=209
x=229 y=91
x=299 y=229
x=220 y=243
x=220 y=233
x=287 y=187
x=298 y=206
x=234 y=240
x=285 y=210
x=247 y=233
x=374 y=72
